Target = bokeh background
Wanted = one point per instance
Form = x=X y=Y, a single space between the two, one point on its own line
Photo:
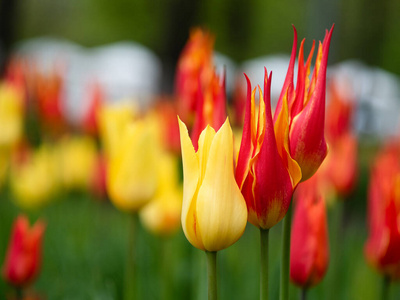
x=86 y=240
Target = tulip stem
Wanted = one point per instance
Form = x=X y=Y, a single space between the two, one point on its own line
x=303 y=294
x=212 y=275
x=130 y=280
x=285 y=261
x=264 y=239
x=19 y=292
x=385 y=287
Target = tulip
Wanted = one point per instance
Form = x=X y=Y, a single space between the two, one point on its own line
x=77 y=160
x=309 y=251
x=113 y=120
x=211 y=106
x=307 y=107
x=195 y=58
x=266 y=173
x=162 y=215
x=341 y=169
x=23 y=259
x=11 y=115
x=35 y=178
x=131 y=180
x=89 y=121
x=383 y=244
x=214 y=212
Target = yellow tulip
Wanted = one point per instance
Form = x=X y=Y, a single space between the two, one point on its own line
x=214 y=212
x=113 y=119
x=132 y=167
x=34 y=181
x=11 y=115
x=77 y=160
x=162 y=214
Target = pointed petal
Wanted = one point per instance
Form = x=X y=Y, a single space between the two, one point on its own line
x=191 y=177
x=221 y=209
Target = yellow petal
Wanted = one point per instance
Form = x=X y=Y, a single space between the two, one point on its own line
x=221 y=209
x=132 y=179
x=282 y=141
x=191 y=176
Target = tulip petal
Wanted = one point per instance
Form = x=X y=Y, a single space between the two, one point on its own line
x=221 y=209
x=191 y=171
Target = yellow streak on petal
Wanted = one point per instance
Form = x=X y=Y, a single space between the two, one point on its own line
x=282 y=141
x=221 y=209
x=191 y=174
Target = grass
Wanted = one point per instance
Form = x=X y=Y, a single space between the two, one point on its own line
x=85 y=250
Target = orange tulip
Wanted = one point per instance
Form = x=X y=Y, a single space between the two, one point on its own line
x=383 y=244
x=309 y=252
x=23 y=259
x=195 y=58
x=266 y=173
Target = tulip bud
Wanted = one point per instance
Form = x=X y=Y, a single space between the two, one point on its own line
x=23 y=258
x=309 y=252
x=214 y=212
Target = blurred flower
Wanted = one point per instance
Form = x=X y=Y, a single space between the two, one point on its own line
x=47 y=91
x=210 y=105
x=166 y=112
x=113 y=119
x=307 y=107
x=77 y=159
x=34 y=177
x=89 y=121
x=195 y=58
x=132 y=167
x=98 y=182
x=11 y=115
x=341 y=163
x=23 y=258
x=383 y=244
x=214 y=212
x=309 y=252
x=265 y=173
x=162 y=214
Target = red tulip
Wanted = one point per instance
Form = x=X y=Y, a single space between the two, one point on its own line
x=195 y=58
x=307 y=107
x=383 y=244
x=309 y=252
x=23 y=257
x=89 y=121
x=265 y=173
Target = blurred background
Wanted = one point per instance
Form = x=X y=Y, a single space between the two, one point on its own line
x=130 y=49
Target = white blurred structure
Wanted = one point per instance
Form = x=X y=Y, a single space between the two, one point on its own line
x=123 y=70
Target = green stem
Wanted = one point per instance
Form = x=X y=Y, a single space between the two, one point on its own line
x=165 y=270
x=19 y=292
x=285 y=262
x=264 y=236
x=212 y=275
x=385 y=287
x=303 y=293
x=130 y=280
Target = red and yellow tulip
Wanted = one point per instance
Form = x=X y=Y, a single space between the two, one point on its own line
x=306 y=106
x=266 y=173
